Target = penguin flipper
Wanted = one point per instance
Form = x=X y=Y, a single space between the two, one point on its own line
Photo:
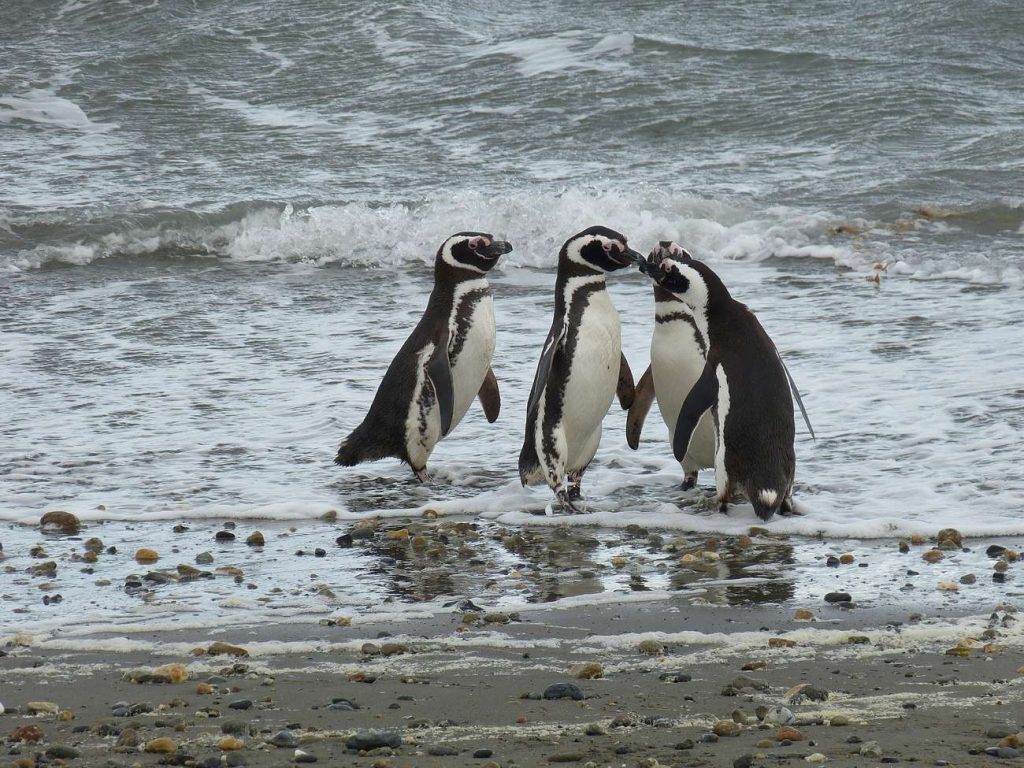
x=702 y=396
x=547 y=359
x=490 y=399
x=796 y=396
x=439 y=369
x=625 y=389
x=639 y=409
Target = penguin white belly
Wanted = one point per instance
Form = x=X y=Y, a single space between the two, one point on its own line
x=676 y=364
x=593 y=376
x=423 y=421
x=722 y=484
x=474 y=357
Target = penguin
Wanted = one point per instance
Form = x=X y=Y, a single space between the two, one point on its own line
x=443 y=365
x=678 y=354
x=581 y=366
x=745 y=385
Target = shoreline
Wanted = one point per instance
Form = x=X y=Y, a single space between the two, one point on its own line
x=445 y=688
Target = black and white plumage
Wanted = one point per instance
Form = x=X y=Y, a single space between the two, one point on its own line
x=678 y=354
x=581 y=366
x=443 y=365
x=745 y=385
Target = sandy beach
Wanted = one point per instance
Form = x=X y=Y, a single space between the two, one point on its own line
x=639 y=683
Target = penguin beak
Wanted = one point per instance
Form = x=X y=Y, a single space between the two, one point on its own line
x=495 y=249
x=626 y=257
x=651 y=266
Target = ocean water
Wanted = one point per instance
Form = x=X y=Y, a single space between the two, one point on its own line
x=217 y=224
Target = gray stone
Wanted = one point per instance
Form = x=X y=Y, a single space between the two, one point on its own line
x=837 y=597
x=440 y=750
x=373 y=740
x=284 y=739
x=62 y=752
x=564 y=691
x=999 y=732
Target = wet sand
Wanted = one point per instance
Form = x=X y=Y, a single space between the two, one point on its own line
x=441 y=690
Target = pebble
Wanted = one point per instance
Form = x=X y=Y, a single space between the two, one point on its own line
x=304 y=757
x=342 y=705
x=932 y=556
x=364 y=740
x=726 y=728
x=563 y=691
x=204 y=558
x=566 y=757
x=839 y=720
x=146 y=555
x=218 y=648
x=870 y=749
x=255 y=539
x=675 y=677
x=62 y=752
x=587 y=671
x=837 y=597
x=789 y=734
x=240 y=704
x=744 y=761
x=65 y=522
x=594 y=729
x=1004 y=753
x=441 y=750
x=224 y=536
x=26 y=733
x=999 y=732
x=802 y=614
x=42 y=708
x=128 y=738
x=284 y=739
x=650 y=647
x=483 y=754
x=162 y=746
x=817 y=757
x=230 y=743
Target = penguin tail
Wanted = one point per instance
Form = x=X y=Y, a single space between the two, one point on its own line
x=766 y=502
x=359 y=447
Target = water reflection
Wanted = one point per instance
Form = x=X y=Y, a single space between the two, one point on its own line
x=423 y=560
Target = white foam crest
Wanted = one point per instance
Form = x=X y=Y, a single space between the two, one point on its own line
x=370 y=234
x=45 y=107
x=559 y=53
x=267 y=115
x=302 y=509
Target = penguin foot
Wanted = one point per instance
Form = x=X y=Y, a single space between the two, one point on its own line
x=421 y=475
x=723 y=508
x=689 y=481
x=565 y=498
x=574 y=492
x=788 y=509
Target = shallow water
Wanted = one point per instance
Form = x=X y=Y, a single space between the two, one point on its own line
x=216 y=227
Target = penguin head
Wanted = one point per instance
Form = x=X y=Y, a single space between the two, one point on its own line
x=599 y=249
x=675 y=271
x=666 y=249
x=475 y=251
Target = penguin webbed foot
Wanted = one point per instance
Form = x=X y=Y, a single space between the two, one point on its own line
x=422 y=475
x=788 y=509
x=689 y=481
x=723 y=507
x=566 y=500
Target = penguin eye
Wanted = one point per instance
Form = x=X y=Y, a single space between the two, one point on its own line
x=474 y=243
x=607 y=247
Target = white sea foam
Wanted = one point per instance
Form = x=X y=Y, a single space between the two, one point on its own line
x=562 y=52
x=45 y=108
x=353 y=233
